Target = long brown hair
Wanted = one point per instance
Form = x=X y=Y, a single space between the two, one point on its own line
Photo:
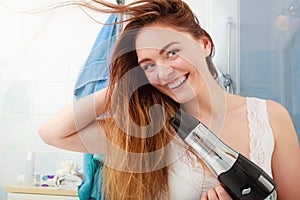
x=129 y=101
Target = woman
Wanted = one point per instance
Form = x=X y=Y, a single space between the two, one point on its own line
x=162 y=62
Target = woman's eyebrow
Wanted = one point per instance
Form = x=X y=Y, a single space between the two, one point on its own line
x=143 y=60
x=160 y=52
x=166 y=47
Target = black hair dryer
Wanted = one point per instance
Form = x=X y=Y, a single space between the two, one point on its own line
x=240 y=177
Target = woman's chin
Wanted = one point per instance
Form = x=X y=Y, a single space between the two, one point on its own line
x=184 y=100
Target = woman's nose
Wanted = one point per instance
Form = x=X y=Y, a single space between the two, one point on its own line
x=164 y=72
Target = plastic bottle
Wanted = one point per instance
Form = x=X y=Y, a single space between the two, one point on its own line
x=29 y=169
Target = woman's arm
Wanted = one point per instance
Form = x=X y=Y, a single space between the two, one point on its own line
x=286 y=156
x=75 y=126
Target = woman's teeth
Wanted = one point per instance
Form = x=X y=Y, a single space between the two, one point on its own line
x=177 y=83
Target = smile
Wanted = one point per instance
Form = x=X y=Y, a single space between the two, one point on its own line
x=178 y=82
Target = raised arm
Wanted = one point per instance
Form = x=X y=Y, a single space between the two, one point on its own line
x=286 y=156
x=75 y=127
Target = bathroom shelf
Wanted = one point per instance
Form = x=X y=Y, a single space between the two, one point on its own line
x=45 y=193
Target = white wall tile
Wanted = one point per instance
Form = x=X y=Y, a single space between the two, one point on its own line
x=14 y=164
x=3 y=194
x=17 y=97
x=75 y=66
x=53 y=67
x=40 y=59
x=15 y=131
x=49 y=98
x=21 y=68
x=47 y=162
x=201 y=9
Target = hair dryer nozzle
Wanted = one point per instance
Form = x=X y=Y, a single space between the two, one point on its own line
x=183 y=123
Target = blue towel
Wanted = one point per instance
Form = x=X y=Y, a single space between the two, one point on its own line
x=95 y=72
x=94 y=76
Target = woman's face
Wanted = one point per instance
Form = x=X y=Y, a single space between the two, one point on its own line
x=173 y=61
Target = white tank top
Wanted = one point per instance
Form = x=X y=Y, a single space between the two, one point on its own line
x=188 y=180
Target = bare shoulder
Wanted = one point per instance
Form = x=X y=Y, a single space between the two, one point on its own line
x=279 y=116
x=281 y=124
x=276 y=109
x=286 y=154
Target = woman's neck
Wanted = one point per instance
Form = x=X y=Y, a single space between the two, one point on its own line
x=209 y=106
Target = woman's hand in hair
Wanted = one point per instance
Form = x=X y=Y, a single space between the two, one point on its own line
x=216 y=193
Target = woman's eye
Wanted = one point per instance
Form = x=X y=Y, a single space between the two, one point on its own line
x=148 y=66
x=172 y=53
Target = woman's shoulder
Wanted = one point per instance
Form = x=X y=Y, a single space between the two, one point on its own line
x=286 y=151
x=278 y=115
x=280 y=119
x=277 y=111
x=274 y=108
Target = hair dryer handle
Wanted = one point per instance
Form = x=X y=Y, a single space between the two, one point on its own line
x=246 y=181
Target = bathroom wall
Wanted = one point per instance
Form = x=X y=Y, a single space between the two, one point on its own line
x=40 y=57
x=224 y=27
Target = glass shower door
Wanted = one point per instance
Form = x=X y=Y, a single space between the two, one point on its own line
x=265 y=49
x=270 y=52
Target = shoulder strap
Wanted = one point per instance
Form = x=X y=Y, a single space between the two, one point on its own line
x=261 y=135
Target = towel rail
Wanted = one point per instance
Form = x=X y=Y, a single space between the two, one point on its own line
x=227 y=78
x=228 y=26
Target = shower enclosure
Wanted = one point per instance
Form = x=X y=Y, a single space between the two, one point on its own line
x=265 y=49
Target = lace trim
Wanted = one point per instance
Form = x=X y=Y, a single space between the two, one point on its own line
x=190 y=159
x=257 y=130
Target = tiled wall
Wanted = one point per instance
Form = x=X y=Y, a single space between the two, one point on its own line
x=40 y=57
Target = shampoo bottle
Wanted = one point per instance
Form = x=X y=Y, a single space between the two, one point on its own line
x=29 y=169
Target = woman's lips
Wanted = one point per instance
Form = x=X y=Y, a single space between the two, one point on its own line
x=178 y=82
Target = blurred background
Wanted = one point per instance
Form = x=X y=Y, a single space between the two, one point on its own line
x=41 y=54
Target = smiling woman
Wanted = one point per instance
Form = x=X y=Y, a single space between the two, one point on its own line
x=168 y=61
x=162 y=62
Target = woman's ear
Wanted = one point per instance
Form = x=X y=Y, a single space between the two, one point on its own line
x=206 y=46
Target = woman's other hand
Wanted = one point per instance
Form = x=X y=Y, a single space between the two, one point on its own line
x=216 y=193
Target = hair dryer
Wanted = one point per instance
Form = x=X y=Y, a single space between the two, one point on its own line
x=240 y=177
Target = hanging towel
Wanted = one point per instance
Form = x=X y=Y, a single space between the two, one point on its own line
x=94 y=76
x=95 y=72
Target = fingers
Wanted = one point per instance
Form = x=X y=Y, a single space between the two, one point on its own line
x=204 y=196
x=222 y=193
x=216 y=193
x=212 y=194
